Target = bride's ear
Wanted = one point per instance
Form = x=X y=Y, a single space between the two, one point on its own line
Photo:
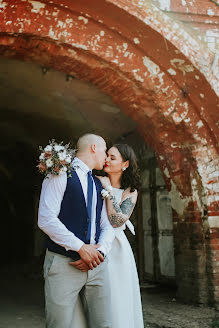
x=126 y=164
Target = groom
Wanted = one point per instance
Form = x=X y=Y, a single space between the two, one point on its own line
x=72 y=214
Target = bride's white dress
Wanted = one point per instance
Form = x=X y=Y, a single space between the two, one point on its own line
x=125 y=291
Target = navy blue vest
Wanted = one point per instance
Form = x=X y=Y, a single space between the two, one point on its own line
x=73 y=214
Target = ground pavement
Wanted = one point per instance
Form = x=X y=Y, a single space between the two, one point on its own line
x=22 y=306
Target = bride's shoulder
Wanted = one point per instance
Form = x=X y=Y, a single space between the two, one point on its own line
x=130 y=194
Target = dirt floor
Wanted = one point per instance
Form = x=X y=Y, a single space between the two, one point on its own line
x=162 y=309
x=22 y=306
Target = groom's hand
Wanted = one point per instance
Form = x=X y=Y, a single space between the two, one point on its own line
x=90 y=255
x=80 y=265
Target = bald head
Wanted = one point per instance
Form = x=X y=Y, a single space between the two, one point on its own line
x=84 y=142
x=92 y=151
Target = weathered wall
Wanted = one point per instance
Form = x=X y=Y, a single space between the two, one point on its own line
x=161 y=75
x=201 y=17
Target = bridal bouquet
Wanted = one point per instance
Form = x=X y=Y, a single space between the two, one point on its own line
x=55 y=159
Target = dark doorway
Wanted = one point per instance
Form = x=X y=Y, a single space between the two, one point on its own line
x=17 y=193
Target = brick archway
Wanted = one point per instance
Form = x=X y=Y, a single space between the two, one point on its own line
x=162 y=78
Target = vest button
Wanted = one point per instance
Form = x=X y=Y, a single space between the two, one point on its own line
x=88 y=220
x=85 y=233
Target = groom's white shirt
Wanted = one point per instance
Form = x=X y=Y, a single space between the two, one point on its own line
x=53 y=189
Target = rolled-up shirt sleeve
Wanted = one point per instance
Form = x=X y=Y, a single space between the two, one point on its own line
x=53 y=189
x=107 y=234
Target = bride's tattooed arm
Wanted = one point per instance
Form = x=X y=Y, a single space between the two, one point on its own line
x=118 y=214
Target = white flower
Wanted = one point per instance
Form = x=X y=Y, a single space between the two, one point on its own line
x=68 y=159
x=105 y=193
x=48 y=148
x=42 y=156
x=62 y=156
x=49 y=163
x=62 y=170
x=58 y=148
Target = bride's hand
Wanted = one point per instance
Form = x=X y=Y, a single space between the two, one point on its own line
x=80 y=265
x=105 y=181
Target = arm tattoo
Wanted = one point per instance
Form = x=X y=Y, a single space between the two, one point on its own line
x=116 y=220
x=115 y=205
x=125 y=208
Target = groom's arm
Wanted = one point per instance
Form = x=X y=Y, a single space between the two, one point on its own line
x=52 y=193
x=53 y=189
x=107 y=234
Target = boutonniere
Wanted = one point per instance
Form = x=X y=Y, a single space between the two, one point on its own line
x=56 y=158
x=107 y=192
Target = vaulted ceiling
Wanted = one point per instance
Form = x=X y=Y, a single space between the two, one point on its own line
x=38 y=104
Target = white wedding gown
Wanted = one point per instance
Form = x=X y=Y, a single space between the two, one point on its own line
x=125 y=291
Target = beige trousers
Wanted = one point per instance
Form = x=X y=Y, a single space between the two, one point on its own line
x=63 y=283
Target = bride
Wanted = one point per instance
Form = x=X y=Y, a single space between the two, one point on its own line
x=120 y=192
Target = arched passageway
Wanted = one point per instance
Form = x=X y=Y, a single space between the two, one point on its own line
x=37 y=106
x=160 y=77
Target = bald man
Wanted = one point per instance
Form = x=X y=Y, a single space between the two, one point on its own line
x=79 y=236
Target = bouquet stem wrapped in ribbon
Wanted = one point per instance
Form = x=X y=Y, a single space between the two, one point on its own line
x=56 y=159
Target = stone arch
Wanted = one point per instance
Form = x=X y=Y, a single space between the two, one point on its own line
x=156 y=72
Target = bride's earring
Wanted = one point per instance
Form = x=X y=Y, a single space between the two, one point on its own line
x=123 y=169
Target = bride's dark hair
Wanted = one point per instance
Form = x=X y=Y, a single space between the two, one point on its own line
x=131 y=176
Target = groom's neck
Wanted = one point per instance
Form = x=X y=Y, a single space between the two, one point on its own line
x=86 y=159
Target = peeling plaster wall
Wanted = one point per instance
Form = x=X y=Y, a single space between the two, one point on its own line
x=202 y=17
